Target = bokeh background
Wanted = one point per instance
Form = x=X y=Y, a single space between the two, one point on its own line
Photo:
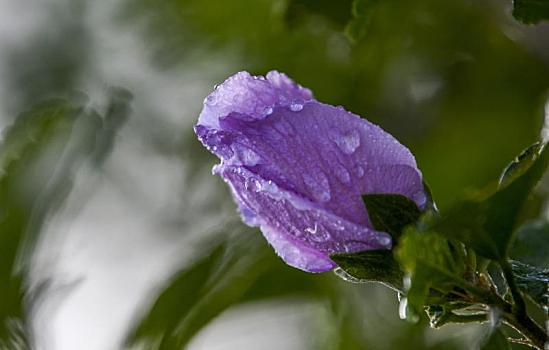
x=108 y=202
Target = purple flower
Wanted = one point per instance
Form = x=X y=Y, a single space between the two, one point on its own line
x=297 y=168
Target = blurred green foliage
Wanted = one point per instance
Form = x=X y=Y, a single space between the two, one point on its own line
x=39 y=156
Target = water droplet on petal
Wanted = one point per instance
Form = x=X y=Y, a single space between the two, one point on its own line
x=402 y=308
x=359 y=171
x=384 y=240
x=420 y=198
x=347 y=142
x=338 y=225
x=355 y=246
x=210 y=100
x=245 y=156
x=342 y=174
x=318 y=186
x=296 y=107
x=317 y=233
x=252 y=184
x=271 y=189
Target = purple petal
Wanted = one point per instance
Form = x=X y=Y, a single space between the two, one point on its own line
x=299 y=171
x=252 y=97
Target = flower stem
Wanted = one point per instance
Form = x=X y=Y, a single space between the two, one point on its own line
x=528 y=328
x=519 y=306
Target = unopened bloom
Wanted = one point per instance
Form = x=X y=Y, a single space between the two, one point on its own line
x=297 y=168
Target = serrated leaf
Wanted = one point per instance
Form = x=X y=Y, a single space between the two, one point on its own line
x=533 y=281
x=487 y=223
x=531 y=11
x=432 y=262
x=371 y=266
x=532 y=244
x=391 y=213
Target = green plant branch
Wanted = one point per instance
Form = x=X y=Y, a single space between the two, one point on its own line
x=514 y=315
x=517 y=319
x=528 y=328
x=519 y=306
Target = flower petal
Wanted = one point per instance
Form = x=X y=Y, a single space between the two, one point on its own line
x=250 y=96
x=293 y=223
x=298 y=168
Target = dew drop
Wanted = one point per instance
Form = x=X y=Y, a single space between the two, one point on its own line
x=343 y=175
x=347 y=142
x=359 y=171
x=210 y=100
x=252 y=184
x=312 y=230
x=245 y=156
x=355 y=246
x=317 y=233
x=296 y=107
x=420 y=198
x=318 y=186
x=338 y=225
x=271 y=189
x=384 y=241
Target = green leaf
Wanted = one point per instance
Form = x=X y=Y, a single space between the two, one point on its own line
x=432 y=262
x=533 y=281
x=225 y=272
x=391 y=213
x=487 y=223
x=531 y=11
x=439 y=315
x=532 y=244
x=371 y=266
x=362 y=16
x=520 y=164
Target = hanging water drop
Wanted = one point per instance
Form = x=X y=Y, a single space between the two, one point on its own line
x=384 y=241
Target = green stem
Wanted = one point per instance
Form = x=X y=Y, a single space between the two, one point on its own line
x=528 y=328
x=520 y=321
x=514 y=314
x=519 y=306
